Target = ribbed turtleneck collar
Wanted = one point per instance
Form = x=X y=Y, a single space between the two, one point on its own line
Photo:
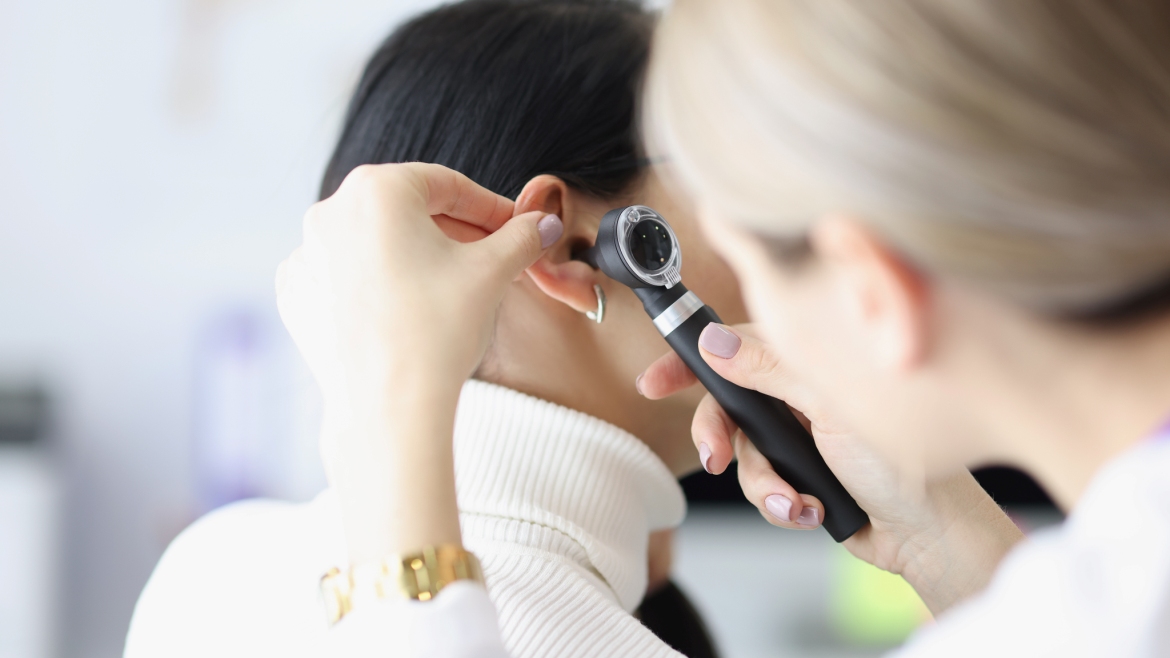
x=522 y=461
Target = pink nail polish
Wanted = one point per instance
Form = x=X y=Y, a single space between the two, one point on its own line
x=704 y=456
x=809 y=516
x=719 y=341
x=550 y=229
x=779 y=507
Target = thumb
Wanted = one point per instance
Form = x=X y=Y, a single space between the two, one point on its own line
x=520 y=242
x=745 y=360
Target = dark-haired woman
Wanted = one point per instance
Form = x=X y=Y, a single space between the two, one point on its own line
x=563 y=469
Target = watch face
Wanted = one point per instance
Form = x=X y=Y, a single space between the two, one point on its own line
x=650 y=245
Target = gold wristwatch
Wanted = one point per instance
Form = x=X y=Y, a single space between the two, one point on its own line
x=418 y=576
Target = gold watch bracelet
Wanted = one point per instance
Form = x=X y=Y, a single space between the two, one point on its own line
x=420 y=576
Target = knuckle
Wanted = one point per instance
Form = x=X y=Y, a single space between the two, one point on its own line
x=312 y=217
x=706 y=419
x=397 y=174
x=751 y=467
x=759 y=360
x=752 y=486
x=362 y=177
x=379 y=187
x=741 y=455
x=512 y=247
x=751 y=462
x=526 y=241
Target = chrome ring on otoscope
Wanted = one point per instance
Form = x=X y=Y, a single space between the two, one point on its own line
x=677 y=313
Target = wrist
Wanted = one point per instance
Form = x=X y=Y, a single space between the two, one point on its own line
x=414 y=417
x=393 y=470
x=955 y=555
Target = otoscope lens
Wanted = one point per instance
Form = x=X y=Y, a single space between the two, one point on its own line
x=650 y=245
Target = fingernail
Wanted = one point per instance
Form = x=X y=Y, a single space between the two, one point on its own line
x=704 y=456
x=717 y=340
x=550 y=229
x=638 y=384
x=809 y=516
x=779 y=507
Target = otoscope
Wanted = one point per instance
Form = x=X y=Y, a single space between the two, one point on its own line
x=636 y=247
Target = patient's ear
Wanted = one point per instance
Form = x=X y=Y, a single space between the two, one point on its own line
x=556 y=273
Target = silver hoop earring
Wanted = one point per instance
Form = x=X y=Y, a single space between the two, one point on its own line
x=598 y=315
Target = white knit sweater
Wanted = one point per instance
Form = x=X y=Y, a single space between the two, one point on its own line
x=558 y=505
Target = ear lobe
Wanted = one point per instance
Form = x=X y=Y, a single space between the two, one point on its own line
x=891 y=296
x=569 y=282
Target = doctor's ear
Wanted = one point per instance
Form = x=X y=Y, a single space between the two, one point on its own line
x=556 y=273
x=889 y=298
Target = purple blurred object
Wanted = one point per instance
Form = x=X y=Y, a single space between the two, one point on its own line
x=240 y=410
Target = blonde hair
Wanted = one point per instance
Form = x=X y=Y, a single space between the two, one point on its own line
x=1019 y=144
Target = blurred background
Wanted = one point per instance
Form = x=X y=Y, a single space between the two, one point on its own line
x=155 y=159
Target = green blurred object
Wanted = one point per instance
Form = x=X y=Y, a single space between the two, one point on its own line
x=870 y=607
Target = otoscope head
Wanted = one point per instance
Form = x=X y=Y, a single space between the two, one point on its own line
x=636 y=246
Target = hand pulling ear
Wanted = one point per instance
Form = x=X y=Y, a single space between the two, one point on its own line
x=556 y=274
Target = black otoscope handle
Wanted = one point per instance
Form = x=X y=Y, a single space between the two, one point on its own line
x=766 y=421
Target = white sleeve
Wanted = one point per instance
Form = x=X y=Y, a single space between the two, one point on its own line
x=1098 y=585
x=459 y=623
x=243 y=582
x=1025 y=611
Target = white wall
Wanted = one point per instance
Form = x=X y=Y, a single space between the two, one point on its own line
x=155 y=159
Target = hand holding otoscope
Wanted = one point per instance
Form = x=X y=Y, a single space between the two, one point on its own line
x=636 y=247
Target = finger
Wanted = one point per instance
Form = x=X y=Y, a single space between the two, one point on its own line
x=712 y=431
x=458 y=230
x=518 y=243
x=747 y=361
x=777 y=501
x=665 y=377
x=456 y=196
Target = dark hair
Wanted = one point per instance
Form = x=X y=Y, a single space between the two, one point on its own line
x=505 y=90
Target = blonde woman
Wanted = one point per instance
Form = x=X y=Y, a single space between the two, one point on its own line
x=950 y=221
x=952 y=224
